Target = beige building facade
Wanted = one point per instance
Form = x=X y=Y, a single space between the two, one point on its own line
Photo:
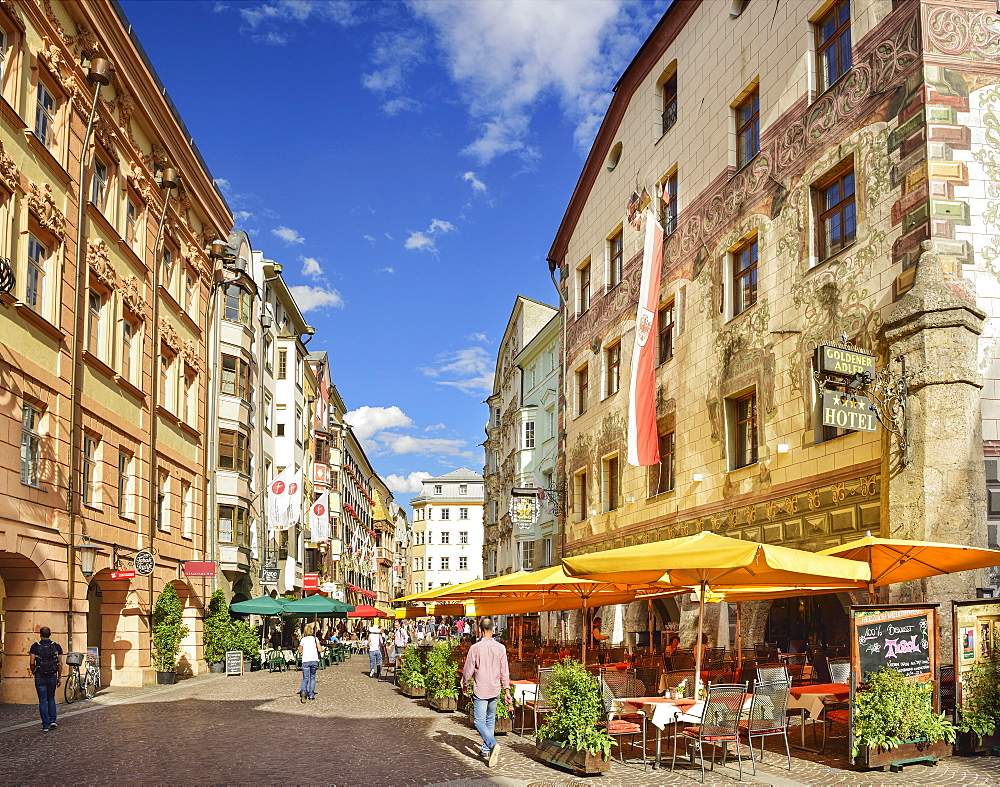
x=831 y=173
x=103 y=350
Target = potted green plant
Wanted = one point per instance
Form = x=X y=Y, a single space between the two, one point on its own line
x=569 y=736
x=215 y=632
x=168 y=633
x=244 y=638
x=441 y=678
x=895 y=722
x=412 y=681
x=979 y=711
x=505 y=713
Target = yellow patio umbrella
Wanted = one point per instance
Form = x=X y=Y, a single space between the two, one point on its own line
x=409 y=613
x=898 y=560
x=709 y=560
x=451 y=589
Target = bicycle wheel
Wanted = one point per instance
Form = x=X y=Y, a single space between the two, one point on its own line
x=72 y=686
x=90 y=684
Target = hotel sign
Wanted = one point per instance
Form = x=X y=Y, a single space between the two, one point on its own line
x=844 y=362
x=848 y=411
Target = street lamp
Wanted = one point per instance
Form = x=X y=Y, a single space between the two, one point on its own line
x=87 y=552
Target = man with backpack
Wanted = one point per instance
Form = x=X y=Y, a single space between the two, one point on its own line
x=45 y=663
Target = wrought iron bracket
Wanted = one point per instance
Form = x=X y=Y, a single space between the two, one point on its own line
x=7 y=277
x=122 y=554
x=885 y=388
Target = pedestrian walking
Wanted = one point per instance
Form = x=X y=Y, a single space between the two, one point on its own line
x=309 y=648
x=399 y=639
x=487 y=670
x=375 y=652
x=45 y=663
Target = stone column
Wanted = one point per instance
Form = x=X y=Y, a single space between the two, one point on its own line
x=940 y=494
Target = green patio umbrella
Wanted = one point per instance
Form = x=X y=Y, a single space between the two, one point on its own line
x=264 y=605
x=316 y=607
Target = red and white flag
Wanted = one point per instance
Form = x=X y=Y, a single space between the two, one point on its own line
x=319 y=518
x=284 y=500
x=643 y=443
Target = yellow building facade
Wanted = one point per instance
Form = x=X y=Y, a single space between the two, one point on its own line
x=102 y=342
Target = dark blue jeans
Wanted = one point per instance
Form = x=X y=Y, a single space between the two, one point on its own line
x=46 y=690
x=309 y=678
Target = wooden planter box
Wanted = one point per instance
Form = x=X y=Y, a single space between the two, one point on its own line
x=412 y=691
x=580 y=762
x=443 y=704
x=968 y=743
x=905 y=753
x=500 y=726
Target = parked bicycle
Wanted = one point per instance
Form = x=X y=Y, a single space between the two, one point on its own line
x=81 y=685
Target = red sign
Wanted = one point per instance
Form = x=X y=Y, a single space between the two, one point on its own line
x=122 y=574
x=199 y=568
x=310 y=581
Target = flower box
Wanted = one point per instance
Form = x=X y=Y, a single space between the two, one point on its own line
x=412 y=691
x=501 y=726
x=969 y=743
x=904 y=754
x=443 y=704
x=580 y=762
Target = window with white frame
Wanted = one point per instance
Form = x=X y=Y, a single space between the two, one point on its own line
x=99 y=185
x=463 y=489
x=34 y=283
x=168 y=392
x=190 y=414
x=130 y=347
x=126 y=488
x=445 y=537
x=95 y=313
x=463 y=536
x=463 y=513
x=163 y=502
x=616 y=258
x=430 y=563
x=445 y=564
x=167 y=270
x=31 y=445
x=612 y=368
x=131 y=222
x=583 y=287
x=89 y=487
x=437 y=489
x=609 y=483
x=529 y=434
x=45 y=115
x=187 y=510
x=446 y=513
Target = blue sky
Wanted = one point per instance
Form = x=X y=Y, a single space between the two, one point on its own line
x=408 y=163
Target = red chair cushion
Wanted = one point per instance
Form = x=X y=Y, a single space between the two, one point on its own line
x=839 y=716
x=619 y=727
x=745 y=725
x=695 y=732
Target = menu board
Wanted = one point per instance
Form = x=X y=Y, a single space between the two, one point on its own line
x=899 y=639
x=234 y=662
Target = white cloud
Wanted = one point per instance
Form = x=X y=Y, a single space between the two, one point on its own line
x=386 y=270
x=476 y=183
x=434 y=427
x=242 y=215
x=405 y=444
x=422 y=240
x=403 y=484
x=311 y=298
x=288 y=235
x=394 y=56
x=370 y=239
x=263 y=20
x=367 y=421
x=572 y=50
x=402 y=104
x=471 y=370
x=222 y=183
x=477 y=337
x=311 y=267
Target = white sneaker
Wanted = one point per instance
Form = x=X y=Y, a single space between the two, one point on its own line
x=494 y=756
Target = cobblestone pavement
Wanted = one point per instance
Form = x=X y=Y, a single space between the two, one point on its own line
x=253 y=729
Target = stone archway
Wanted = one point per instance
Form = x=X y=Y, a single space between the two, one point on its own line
x=26 y=603
x=123 y=628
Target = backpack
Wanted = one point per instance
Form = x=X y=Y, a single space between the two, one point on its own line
x=47 y=659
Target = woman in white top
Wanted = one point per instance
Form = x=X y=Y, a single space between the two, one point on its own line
x=375 y=652
x=309 y=648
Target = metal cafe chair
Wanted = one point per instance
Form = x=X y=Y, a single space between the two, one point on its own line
x=617 y=723
x=720 y=724
x=676 y=677
x=773 y=673
x=835 y=712
x=540 y=704
x=768 y=716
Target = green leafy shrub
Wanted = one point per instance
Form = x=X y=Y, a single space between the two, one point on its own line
x=216 y=629
x=576 y=696
x=505 y=708
x=980 y=709
x=441 y=678
x=411 y=670
x=890 y=710
x=168 y=629
x=245 y=638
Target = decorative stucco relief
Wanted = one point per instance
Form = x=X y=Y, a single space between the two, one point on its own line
x=10 y=175
x=42 y=203
x=964 y=32
x=168 y=335
x=99 y=261
x=131 y=290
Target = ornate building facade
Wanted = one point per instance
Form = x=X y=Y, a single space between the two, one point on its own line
x=103 y=351
x=831 y=174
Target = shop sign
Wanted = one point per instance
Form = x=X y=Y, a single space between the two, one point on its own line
x=524 y=510
x=328 y=587
x=310 y=581
x=144 y=563
x=848 y=411
x=122 y=574
x=269 y=576
x=199 y=568
x=844 y=362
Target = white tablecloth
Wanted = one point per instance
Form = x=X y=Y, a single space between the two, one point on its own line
x=662 y=713
x=813 y=703
x=523 y=691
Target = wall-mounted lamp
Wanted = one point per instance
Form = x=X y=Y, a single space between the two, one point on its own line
x=101 y=71
x=698 y=477
x=783 y=448
x=87 y=552
x=169 y=178
x=218 y=249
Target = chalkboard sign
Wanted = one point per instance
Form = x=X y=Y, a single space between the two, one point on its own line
x=234 y=662
x=898 y=639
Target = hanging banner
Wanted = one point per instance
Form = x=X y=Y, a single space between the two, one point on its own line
x=643 y=439
x=284 y=500
x=319 y=517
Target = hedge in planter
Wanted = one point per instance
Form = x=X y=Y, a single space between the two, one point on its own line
x=245 y=638
x=168 y=629
x=216 y=630
x=411 y=673
x=441 y=678
x=891 y=710
x=979 y=712
x=576 y=698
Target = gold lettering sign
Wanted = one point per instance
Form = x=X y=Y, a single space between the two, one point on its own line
x=837 y=360
x=848 y=412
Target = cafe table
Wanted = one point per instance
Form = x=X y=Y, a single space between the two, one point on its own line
x=809 y=700
x=523 y=690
